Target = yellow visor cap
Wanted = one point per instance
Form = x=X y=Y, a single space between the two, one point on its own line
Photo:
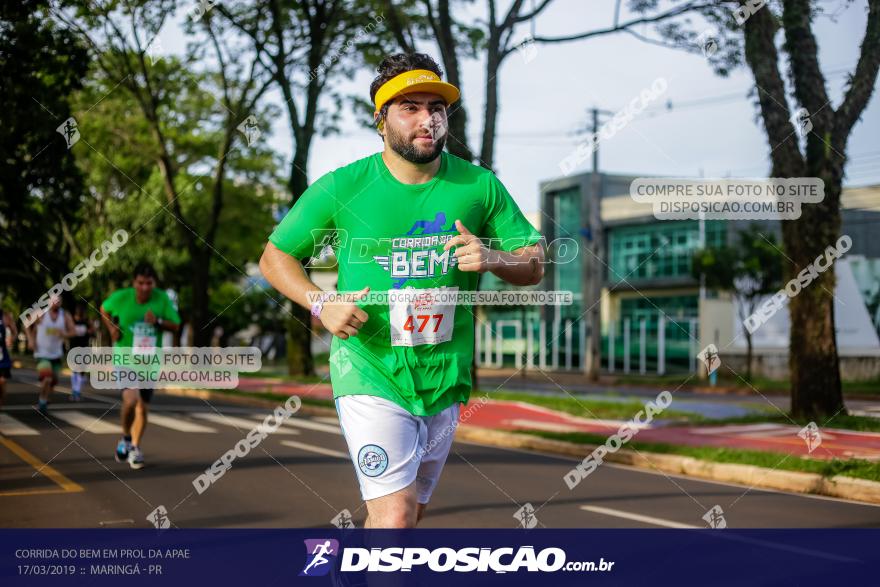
x=417 y=80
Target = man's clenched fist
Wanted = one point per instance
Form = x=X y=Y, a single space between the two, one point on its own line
x=472 y=254
x=344 y=318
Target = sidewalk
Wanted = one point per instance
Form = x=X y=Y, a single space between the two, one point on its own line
x=517 y=416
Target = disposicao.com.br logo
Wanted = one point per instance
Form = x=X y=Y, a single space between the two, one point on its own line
x=322 y=552
x=320 y=556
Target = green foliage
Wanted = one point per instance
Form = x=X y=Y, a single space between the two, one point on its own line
x=125 y=187
x=40 y=186
x=749 y=270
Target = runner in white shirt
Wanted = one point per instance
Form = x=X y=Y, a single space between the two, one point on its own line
x=46 y=338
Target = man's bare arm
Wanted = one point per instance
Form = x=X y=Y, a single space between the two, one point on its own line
x=524 y=266
x=10 y=325
x=286 y=274
x=31 y=334
x=69 y=326
x=115 y=333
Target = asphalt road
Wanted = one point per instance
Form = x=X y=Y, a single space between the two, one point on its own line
x=59 y=471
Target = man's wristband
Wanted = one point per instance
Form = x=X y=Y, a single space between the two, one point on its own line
x=318 y=304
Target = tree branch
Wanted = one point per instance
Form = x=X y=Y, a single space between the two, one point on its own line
x=406 y=45
x=533 y=13
x=808 y=81
x=861 y=84
x=762 y=57
x=619 y=27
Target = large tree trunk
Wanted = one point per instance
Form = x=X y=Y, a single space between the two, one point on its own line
x=490 y=112
x=299 y=333
x=813 y=359
x=458 y=139
x=299 y=339
x=750 y=352
x=201 y=271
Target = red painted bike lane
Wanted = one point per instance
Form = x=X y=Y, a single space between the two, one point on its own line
x=510 y=415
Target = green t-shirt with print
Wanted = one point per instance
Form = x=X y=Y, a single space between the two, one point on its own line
x=137 y=333
x=389 y=235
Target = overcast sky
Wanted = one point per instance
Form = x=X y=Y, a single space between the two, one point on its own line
x=542 y=101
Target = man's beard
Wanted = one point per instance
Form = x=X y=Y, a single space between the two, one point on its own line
x=412 y=153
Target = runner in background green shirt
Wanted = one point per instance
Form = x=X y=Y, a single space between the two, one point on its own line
x=409 y=219
x=136 y=318
x=135 y=330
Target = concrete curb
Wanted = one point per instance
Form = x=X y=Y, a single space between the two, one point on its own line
x=849 y=488
x=793 y=481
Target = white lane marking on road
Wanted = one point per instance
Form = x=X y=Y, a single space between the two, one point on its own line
x=635 y=517
x=539 y=425
x=868 y=413
x=310 y=425
x=55 y=407
x=9 y=426
x=243 y=424
x=87 y=422
x=178 y=423
x=317 y=449
x=744 y=429
x=327 y=419
x=575 y=419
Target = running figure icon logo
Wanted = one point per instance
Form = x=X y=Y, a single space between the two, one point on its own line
x=415 y=255
x=321 y=553
x=372 y=460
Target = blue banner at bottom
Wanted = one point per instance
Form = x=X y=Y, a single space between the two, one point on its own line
x=322 y=557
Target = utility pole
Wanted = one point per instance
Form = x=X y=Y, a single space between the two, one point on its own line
x=597 y=258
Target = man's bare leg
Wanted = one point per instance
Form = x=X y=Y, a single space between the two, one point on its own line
x=127 y=411
x=134 y=415
x=45 y=389
x=397 y=510
x=140 y=421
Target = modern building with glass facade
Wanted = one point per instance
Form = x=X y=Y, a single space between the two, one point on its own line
x=647 y=282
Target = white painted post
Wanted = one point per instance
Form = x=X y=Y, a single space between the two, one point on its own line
x=661 y=344
x=611 y=346
x=643 y=344
x=555 y=344
x=692 y=354
x=499 y=343
x=542 y=344
x=487 y=355
x=626 y=345
x=530 y=346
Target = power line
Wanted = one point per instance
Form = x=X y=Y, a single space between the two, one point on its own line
x=668 y=108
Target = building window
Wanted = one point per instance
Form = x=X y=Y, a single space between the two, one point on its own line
x=657 y=251
x=567 y=224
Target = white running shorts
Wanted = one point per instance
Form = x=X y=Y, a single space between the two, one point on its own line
x=391 y=448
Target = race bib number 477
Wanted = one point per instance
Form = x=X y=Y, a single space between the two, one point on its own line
x=421 y=316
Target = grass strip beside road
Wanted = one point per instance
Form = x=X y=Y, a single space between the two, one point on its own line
x=726 y=379
x=858 y=468
x=583 y=408
x=590 y=408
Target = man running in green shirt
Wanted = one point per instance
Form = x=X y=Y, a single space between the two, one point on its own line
x=136 y=318
x=419 y=225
